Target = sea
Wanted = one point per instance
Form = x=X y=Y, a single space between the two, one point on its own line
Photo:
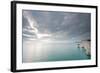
x=44 y=51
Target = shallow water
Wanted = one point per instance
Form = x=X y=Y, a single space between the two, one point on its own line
x=39 y=51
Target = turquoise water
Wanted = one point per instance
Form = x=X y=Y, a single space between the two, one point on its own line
x=65 y=51
x=42 y=52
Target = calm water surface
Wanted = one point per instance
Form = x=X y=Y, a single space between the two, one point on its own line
x=39 y=51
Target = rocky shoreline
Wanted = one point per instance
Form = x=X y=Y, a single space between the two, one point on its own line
x=86 y=45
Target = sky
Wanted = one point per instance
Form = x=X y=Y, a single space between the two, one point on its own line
x=56 y=25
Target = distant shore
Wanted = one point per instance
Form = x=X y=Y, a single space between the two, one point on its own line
x=86 y=45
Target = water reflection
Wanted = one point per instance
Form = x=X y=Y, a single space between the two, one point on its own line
x=46 y=50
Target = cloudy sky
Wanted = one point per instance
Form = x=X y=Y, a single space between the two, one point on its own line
x=56 y=25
